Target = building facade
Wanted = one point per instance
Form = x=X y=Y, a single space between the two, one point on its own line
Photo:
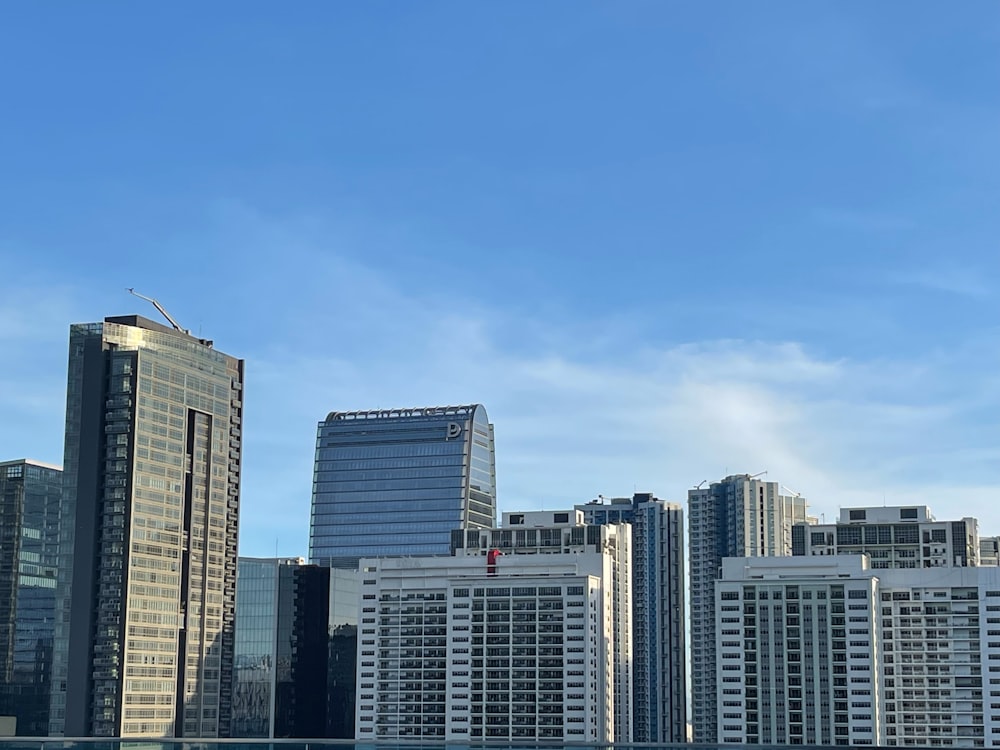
x=262 y=658
x=827 y=650
x=659 y=686
x=30 y=496
x=396 y=482
x=894 y=537
x=524 y=634
x=147 y=574
x=797 y=652
x=342 y=663
x=738 y=517
x=290 y=624
x=989 y=550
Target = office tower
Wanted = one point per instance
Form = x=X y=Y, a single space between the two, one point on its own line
x=396 y=482
x=30 y=493
x=741 y=516
x=282 y=655
x=659 y=674
x=894 y=537
x=989 y=550
x=147 y=574
x=847 y=654
x=532 y=644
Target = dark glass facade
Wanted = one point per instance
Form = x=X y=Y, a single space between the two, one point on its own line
x=262 y=657
x=296 y=650
x=147 y=562
x=396 y=482
x=30 y=494
x=345 y=593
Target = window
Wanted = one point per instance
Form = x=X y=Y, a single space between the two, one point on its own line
x=560 y=517
x=907 y=514
x=908 y=534
x=848 y=535
x=856 y=515
x=516 y=519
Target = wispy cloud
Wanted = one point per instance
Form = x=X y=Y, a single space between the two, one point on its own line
x=965 y=282
x=572 y=423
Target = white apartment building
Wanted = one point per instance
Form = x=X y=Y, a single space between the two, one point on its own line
x=827 y=650
x=797 y=657
x=894 y=537
x=523 y=634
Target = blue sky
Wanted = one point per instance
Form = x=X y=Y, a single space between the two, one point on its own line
x=660 y=241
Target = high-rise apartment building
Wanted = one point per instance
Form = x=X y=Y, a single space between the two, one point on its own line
x=524 y=634
x=286 y=634
x=827 y=650
x=895 y=537
x=797 y=651
x=398 y=481
x=659 y=675
x=740 y=516
x=147 y=573
x=30 y=495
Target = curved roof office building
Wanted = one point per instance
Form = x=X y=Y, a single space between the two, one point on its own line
x=395 y=482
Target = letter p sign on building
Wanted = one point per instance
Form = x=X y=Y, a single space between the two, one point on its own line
x=454 y=430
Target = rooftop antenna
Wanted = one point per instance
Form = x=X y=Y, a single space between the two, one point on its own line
x=159 y=307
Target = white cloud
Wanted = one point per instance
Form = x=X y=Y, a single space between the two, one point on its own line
x=570 y=427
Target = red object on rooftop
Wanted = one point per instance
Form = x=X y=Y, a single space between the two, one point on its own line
x=491 y=561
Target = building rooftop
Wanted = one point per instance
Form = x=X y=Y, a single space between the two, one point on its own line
x=31 y=462
x=405 y=413
x=543 y=518
x=138 y=321
x=886 y=514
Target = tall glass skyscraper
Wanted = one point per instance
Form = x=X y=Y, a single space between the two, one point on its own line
x=147 y=570
x=396 y=482
x=30 y=494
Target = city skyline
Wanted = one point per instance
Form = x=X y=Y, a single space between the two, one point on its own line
x=661 y=244
x=258 y=543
